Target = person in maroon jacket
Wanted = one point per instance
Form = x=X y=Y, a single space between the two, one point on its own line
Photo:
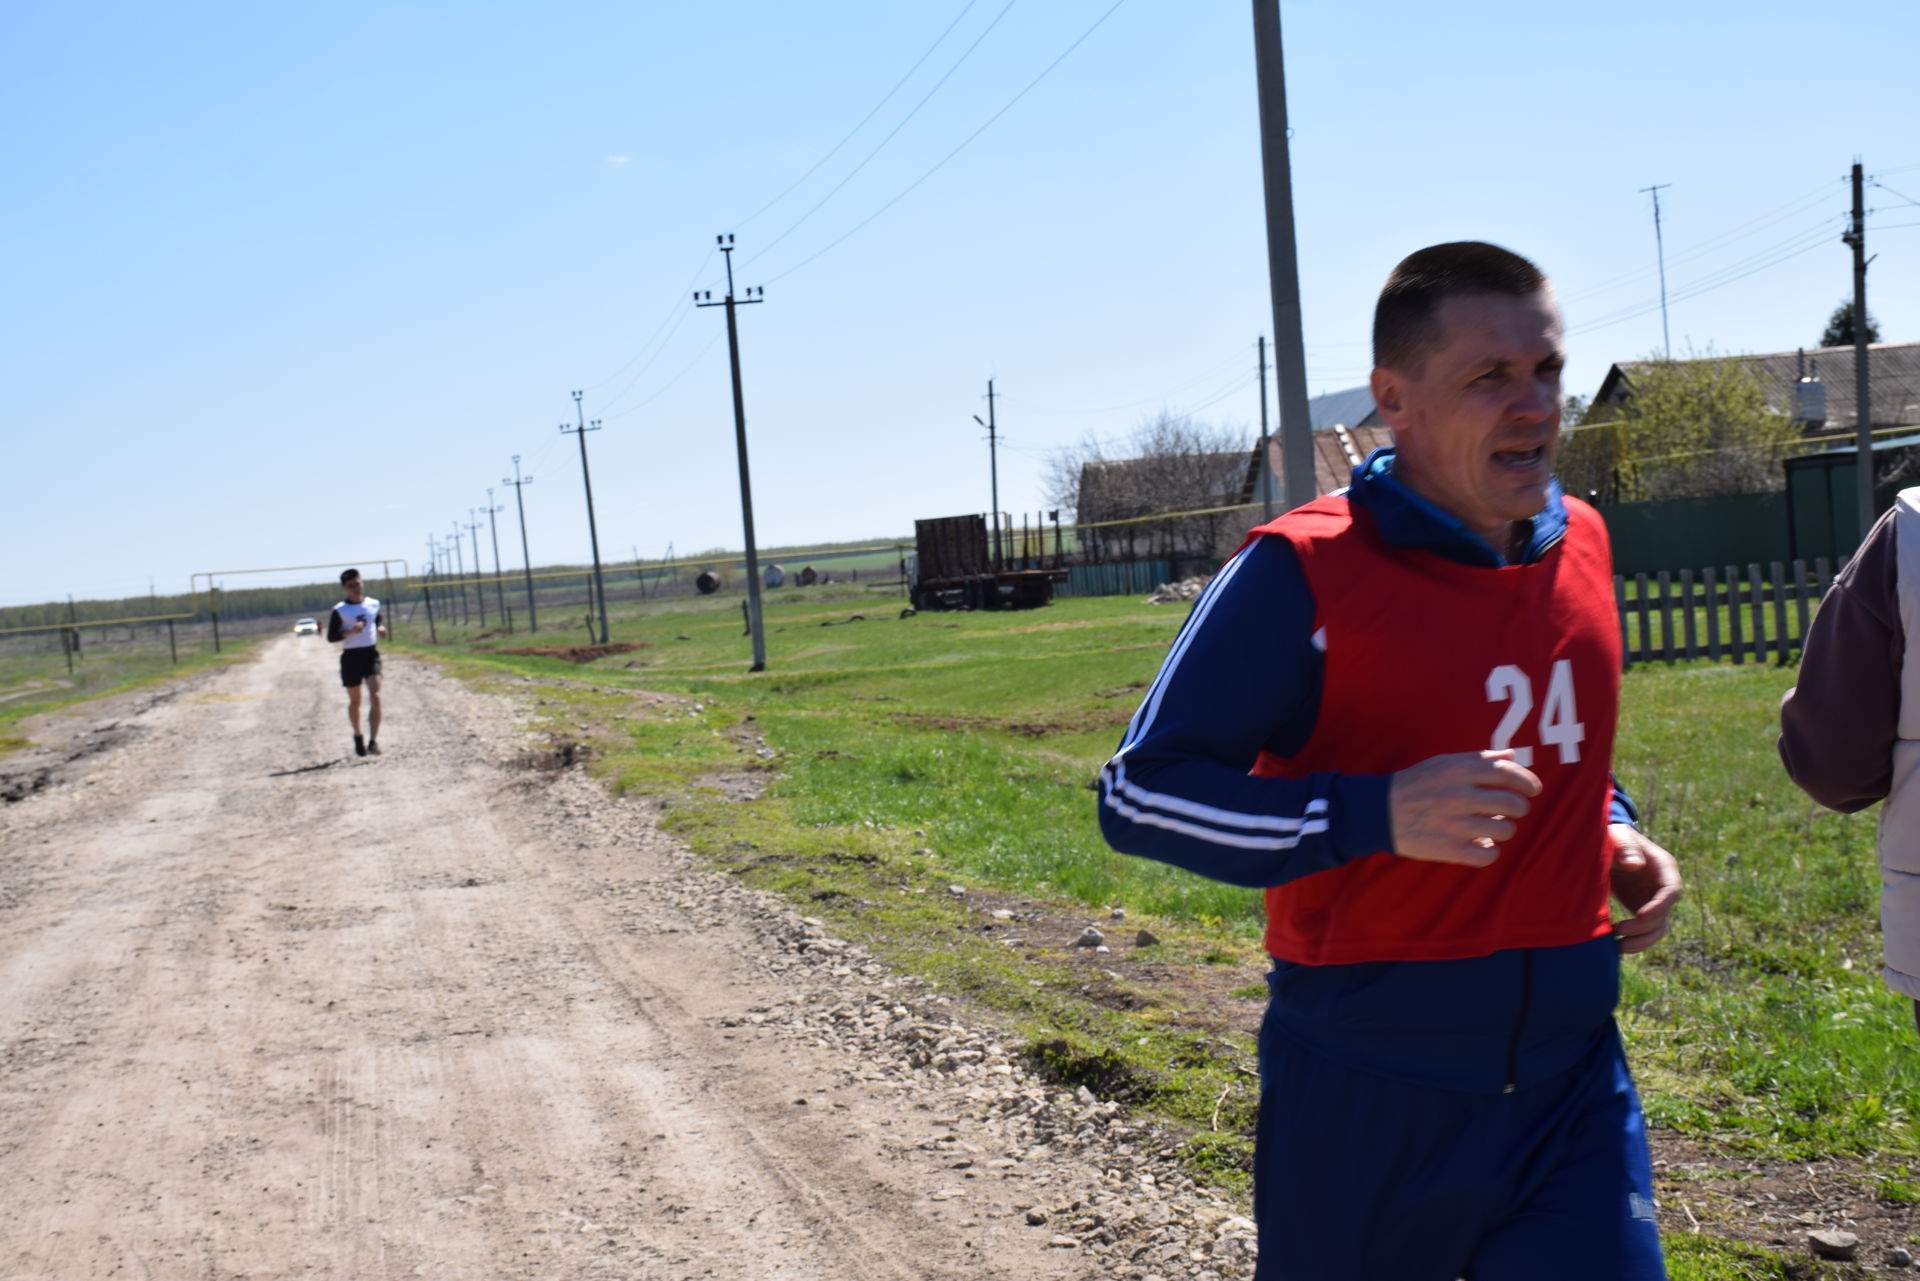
x=1850 y=728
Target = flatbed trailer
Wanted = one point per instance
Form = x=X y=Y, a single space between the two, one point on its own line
x=954 y=570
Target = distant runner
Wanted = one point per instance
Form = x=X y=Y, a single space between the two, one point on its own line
x=355 y=623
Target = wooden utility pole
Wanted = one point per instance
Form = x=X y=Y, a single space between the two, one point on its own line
x=755 y=622
x=593 y=530
x=479 y=584
x=993 y=471
x=1266 y=452
x=1856 y=238
x=499 y=583
x=518 y=481
x=1283 y=265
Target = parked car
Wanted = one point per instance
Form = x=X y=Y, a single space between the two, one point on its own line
x=306 y=627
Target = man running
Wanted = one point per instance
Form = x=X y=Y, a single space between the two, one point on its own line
x=1393 y=709
x=355 y=624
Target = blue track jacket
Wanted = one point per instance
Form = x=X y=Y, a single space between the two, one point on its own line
x=1244 y=674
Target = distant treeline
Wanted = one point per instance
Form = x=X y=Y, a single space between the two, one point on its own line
x=238 y=603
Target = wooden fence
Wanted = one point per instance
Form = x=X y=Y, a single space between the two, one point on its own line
x=1719 y=614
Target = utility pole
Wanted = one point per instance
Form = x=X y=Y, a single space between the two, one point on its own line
x=1283 y=265
x=533 y=619
x=755 y=294
x=479 y=584
x=1666 y=339
x=593 y=531
x=499 y=586
x=460 y=572
x=1266 y=453
x=993 y=470
x=1856 y=239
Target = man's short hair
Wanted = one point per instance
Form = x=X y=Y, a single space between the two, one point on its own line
x=349 y=576
x=1404 y=328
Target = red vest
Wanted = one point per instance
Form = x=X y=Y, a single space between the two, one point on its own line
x=1426 y=656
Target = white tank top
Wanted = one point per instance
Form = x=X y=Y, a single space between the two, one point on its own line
x=369 y=609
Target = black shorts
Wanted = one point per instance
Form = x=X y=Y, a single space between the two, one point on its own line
x=358 y=664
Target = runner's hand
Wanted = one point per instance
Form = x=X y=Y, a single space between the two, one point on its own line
x=1458 y=808
x=1646 y=881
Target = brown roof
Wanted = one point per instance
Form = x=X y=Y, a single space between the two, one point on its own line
x=1894 y=369
x=1336 y=453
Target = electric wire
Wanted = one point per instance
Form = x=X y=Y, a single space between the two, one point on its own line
x=1706 y=284
x=684 y=291
x=668 y=385
x=686 y=309
x=1208 y=376
x=796 y=224
x=898 y=85
x=1798 y=205
x=1884 y=187
x=679 y=315
x=1081 y=39
x=1817 y=233
x=857 y=227
x=1126 y=441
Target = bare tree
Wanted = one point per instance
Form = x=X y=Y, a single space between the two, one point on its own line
x=1169 y=464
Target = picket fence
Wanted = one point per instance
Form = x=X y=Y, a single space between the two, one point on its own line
x=1719 y=614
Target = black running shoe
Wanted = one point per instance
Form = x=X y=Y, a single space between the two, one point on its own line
x=359 y=746
x=373 y=748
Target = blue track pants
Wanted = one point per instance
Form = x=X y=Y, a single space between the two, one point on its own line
x=1361 y=1177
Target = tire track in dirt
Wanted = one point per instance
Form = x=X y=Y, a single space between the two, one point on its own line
x=268 y=1012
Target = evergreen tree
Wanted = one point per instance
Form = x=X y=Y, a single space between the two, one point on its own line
x=1839 y=331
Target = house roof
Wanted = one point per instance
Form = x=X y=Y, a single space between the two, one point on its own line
x=1894 y=369
x=1109 y=489
x=1349 y=408
x=1336 y=452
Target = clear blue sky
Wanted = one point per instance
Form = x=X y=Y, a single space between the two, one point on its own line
x=292 y=284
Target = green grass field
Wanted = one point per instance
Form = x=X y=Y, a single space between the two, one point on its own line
x=35 y=678
x=904 y=754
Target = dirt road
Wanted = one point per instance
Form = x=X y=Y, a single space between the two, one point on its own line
x=267 y=1010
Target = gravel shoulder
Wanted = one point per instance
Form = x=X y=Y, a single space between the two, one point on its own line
x=269 y=1010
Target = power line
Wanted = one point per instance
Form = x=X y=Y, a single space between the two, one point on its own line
x=795 y=226
x=1699 y=249
x=1800 y=242
x=1695 y=292
x=686 y=309
x=1207 y=376
x=1884 y=187
x=668 y=385
x=857 y=227
x=857 y=128
x=656 y=333
x=678 y=314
